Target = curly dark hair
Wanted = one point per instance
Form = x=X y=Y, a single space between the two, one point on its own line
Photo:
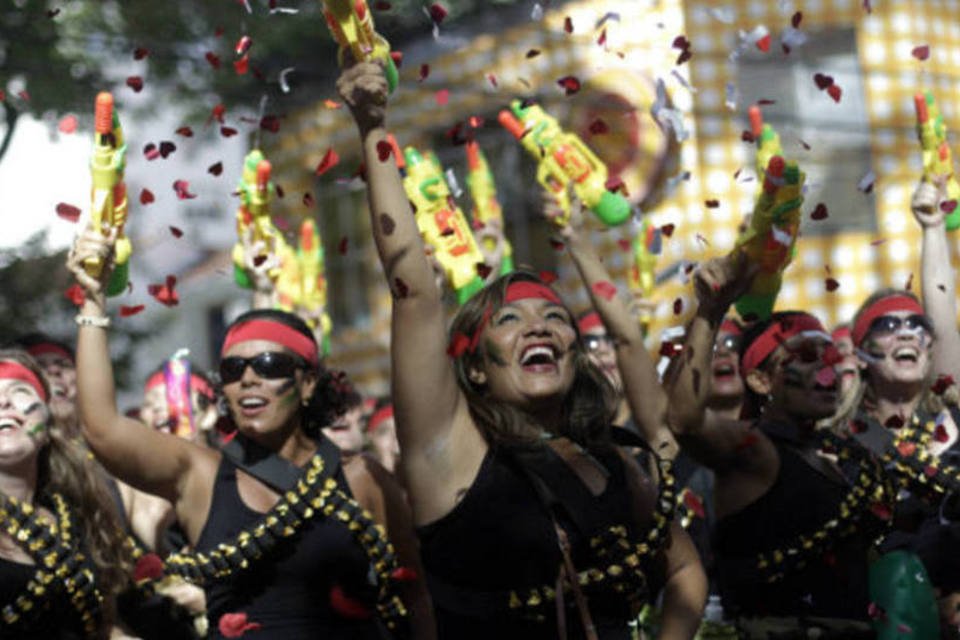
x=588 y=408
x=331 y=397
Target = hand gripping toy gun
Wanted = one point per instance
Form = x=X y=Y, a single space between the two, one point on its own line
x=642 y=278
x=486 y=207
x=937 y=159
x=564 y=158
x=108 y=208
x=441 y=222
x=254 y=213
x=313 y=281
x=770 y=239
x=351 y=24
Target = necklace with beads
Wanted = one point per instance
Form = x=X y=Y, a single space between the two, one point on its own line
x=60 y=564
x=908 y=455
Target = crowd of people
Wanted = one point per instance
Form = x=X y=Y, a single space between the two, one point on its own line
x=531 y=475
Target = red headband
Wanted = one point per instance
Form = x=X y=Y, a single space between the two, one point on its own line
x=840 y=333
x=525 y=289
x=731 y=327
x=43 y=348
x=10 y=370
x=882 y=307
x=776 y=334
x=273 y=331
x=590 y=321
x=384 y=413
x=197 y=384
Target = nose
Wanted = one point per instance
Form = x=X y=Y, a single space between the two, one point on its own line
x=249 y=377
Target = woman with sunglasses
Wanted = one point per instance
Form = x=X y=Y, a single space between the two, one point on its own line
x=62 y=554
x=288 y=538
x=794 y=525
x=531 y=523
x=907 y=411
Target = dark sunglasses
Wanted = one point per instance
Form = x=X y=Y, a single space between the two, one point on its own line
x=892 y=324
x=272 y=365
x=593 y=342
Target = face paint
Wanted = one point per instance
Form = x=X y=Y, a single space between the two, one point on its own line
x=283 y=392
x=494 y=353
x=37 y=429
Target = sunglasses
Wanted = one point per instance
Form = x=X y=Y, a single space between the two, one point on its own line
x=892 y=324
x=272 y=365
x=593 y=343
x=727 y=343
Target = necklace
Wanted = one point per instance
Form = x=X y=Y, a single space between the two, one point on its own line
x=908 y=455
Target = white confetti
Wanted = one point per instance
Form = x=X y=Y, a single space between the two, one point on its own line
x=287 y=10
x=793 y=38
x=667 y=117
x=725 y=15
x=609 y=15
x=246 y=4
x=282 y=80
x=866 y=182
x=689 y=87
x=747 y=40
x=537 y=13
x=453 y=183
x=673 y=182
x=731 y=96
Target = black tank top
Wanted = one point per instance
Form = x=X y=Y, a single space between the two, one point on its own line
x=484 y=557
x=58 y=619
x=800 y=501
x=288 y=591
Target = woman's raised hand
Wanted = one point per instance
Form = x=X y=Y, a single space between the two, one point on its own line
x=926 y=202
x=720 y=281
x=363 y=88
x=92 y=244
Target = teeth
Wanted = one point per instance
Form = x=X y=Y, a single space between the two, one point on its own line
x=532 y=352
x=7 y=423
x=252 y=402
x=906 y=352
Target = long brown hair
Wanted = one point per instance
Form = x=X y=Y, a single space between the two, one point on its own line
x=588 y=408
x=64 y=467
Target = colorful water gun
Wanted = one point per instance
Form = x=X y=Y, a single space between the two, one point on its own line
x=441 y=222
x=486 y=207
x=564 y=158
x=313 y=281
x=176 y=378
x=351 y=24
x=108 y=196
x=937 y=159
x=770 y=239
x=289 y=282
x=642 y=278
x=254 y=213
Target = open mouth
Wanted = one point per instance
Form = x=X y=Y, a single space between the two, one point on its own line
x=908 y=355
x=10 y=424
x=252 y=405
x=724 y=371
x=538 y=357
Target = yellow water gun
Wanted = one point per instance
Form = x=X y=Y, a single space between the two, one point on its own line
x=642 y=278
x=441 y=222
x=108 y=196
x=289 y=281
x=313 y=282
x=486 y=207
x=351 y=24
x=564 y=158
x=937 y=159
x=254 y=213
x=770 y=239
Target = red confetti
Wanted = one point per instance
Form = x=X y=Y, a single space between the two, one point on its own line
x=53 y=13
x=403 y=574
x=667 y=229
x=835 y=92
x=712 y=204
x=228 y=132
x=921 y=53
x=149 y=567
x=182 y=188
x=213 y=59
x=146 y=196
x=68 y=124
x=624 y=244
x=547 y=277
x=894 y=422
x=822 y=81
x=242 y=65
x=24 y=95
x=140 y=53
x=329 y=161
x=165 y=293
x=533 y=53
x=602 y=39
x=819 y=212
x=397 y=57
x=764 y=43
x=218 y=112
x=135 y=83
x=942 y=383
x=215 y=169
x=308 y=200
x=614 y=184
x=384 y=150
x=598 y=127
x=831 y=284
x=940 y=434
x=68 y=212
x=677 y=306
x=605 y=289
x=668 y=349
x=131 y=310
x=234 y=625
x=74 y=294
x=400 y=288
x=492 y=79
x=483 y=270
x=185 y=131
x=437 y=12
x=948 y=206
x=442 y=97
x=568 y=24
x=176 y=232
x=166 y=148
x=906 y=449
x=243 y=45
x=331 y=104
x=424 y=72
x=693 y=503
x=909 y=285
x=342 y=246
x=795 y=20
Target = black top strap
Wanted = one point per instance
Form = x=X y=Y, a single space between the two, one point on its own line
x=272 y=470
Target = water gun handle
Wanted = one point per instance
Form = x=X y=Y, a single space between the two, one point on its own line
x=937 y=159
x=351 y=25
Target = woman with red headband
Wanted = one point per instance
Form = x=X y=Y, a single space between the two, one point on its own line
x=59 y=365
x=284 y=537
x=908 y=411
x=794 y=527
x=62 y=553
x=531 y=523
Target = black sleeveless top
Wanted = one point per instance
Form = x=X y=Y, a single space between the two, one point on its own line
x=58 y=620
x=489 y=559
x=288 y=591
x=831 y=585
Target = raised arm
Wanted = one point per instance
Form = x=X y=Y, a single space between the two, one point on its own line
x=131 y=451
x=442 y=448
x=685 y=591
x=938 y=279
x=641 y=385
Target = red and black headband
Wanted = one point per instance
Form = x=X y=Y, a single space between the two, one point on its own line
x=382 y=414
x=44 y=348
x=882 y=307
x=272 y=331
x=523 y=289
x=12 y=370
x=779 y=331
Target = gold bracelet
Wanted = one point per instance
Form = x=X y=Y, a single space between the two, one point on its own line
x=101 y=322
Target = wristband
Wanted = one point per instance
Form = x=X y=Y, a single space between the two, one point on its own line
x=101 y=322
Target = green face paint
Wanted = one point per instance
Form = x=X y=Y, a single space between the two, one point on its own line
x=37 y=429
x=494 y=353
x=287 y=393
